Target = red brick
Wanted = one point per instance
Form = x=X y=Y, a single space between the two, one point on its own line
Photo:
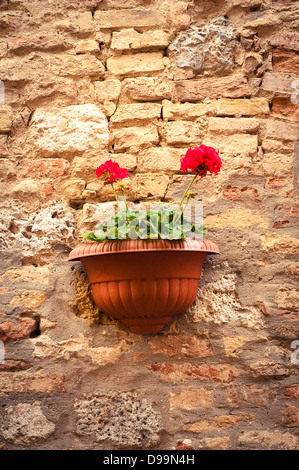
x=283 y=312
x=234 y=193
x=10 y=331
x=291 y=208
x=265 y=308
x=278 y=185
x=181 y=445
x=280 y=223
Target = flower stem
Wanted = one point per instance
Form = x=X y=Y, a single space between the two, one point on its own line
x=123 y=195
x=186 y=203
x=182 y=200
x=115 y=195
x=189 y=186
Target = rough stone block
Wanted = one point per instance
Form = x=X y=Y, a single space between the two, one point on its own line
x=239 y=218
x=5 y=119
x=218 y=423
x=129 y=39
x=287 y=298
x=71 y=130
x=233 y=125
x=281 y=244
x=148 y=88
x=182 y=133
x=63 y=88
x=87 y=46
x=181 y=346
x=137 y=63
x=29 y=301
x=73 y=189
x=38 y=382
x=236 y=144
x=114 y=19
x=286 y=40
x=27 y=274
x=161 y=159
x=286 y=61
x=275 y=146
x=10 y=331
x=282 y=130
x=186 y=111
x=190 y=398
x=48 y=42
x=277 y=165
x=218 y=443
x=285 y=109
x=134 y=137
x=128 y=114
x=80 y=65
x=3 y=146
x=277 y=83
x=107 y=90
x=208 y=48
x=171 y=372
x=121 y=417
x=196 y=90
x=50 y=167
x=84 y=23
x=26 y=424
x=242 y=107
x=265 y=439
x=150 y=185
x=258 y=19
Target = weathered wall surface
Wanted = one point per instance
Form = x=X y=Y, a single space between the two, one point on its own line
x=140 y=82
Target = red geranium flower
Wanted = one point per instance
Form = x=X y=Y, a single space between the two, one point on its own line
x=200 y=160
x=113 y=170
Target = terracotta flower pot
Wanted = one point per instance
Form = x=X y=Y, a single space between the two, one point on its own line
x=144 y=283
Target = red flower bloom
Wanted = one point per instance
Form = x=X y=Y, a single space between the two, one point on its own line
x=200 y=160
x=114 y=171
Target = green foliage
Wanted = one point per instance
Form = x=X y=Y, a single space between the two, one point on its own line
x=163 y=222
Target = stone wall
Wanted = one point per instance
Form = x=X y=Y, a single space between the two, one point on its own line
x=140 y=82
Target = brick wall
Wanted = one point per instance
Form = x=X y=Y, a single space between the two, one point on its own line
x=140 y=82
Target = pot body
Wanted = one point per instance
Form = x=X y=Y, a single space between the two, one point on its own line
x=144 y=285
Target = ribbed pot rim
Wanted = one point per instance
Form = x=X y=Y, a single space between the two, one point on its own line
x=106 y=247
